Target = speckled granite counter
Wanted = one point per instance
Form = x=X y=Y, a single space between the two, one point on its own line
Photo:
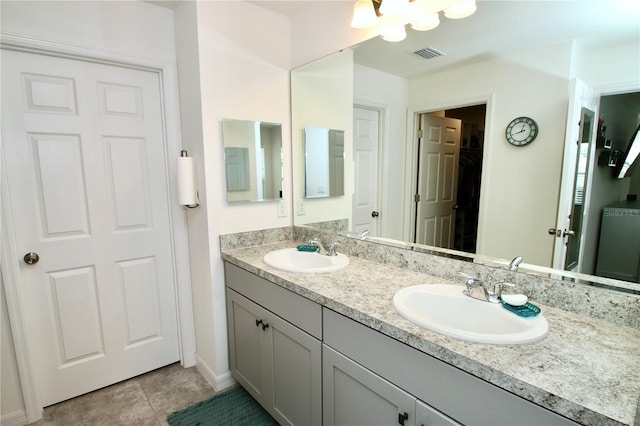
x=586 y=369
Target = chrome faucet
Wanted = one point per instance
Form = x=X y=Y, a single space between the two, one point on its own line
x=492 y=295
x=326 y=250
x=515 y=263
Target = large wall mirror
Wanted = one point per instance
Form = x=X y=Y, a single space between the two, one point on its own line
x=514 y=200
x=253 y=160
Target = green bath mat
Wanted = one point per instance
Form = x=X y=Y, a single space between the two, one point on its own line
x=234 y=407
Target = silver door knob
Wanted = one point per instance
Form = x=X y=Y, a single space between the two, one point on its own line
x=569 y=233
x=31 y=258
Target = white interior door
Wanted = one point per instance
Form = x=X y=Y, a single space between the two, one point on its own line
x=85 y=159
x=437 y=180
x=365 y=200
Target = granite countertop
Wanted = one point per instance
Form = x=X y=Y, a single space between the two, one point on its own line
x=585 y=369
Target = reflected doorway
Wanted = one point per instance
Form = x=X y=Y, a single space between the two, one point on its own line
x=577 y=208
x=469 y=174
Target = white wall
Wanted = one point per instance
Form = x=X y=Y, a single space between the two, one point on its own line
x=321 y=28
x=124 y=27
x=243 y=75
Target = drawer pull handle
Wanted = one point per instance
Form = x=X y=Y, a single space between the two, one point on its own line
x=402 y=417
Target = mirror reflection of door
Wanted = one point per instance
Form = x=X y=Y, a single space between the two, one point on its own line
x=365 y=145
x=468 y=176
x=578 y=200
x=437 y=180
x=324 y=162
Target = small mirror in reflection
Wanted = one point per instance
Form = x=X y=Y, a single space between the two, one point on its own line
x=253 y=160
x=324 y=162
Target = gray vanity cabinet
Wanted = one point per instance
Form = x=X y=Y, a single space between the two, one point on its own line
x=353 y=395
x=278 y=363
x=309 y=365
x=454 y=393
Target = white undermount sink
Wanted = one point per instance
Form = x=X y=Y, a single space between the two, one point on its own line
x=292 y=260
x=444 y=309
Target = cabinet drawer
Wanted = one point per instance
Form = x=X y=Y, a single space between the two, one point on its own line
x=294 y=308
x=459 y=395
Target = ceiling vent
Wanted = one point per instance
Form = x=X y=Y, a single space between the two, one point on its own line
x=428 y=53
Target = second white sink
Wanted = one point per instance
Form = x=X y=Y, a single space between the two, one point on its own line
x=444 y=309
x=292 y=260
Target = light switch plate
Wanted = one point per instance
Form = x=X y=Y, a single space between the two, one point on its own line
x=301 y=208
x=282 y=208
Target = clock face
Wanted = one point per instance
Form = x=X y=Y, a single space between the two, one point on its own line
x=521 y=131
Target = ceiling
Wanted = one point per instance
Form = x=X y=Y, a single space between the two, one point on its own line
x=497 y=26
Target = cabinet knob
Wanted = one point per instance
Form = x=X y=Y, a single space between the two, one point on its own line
x=265 y=326
x=402 y=417
x=258 y=322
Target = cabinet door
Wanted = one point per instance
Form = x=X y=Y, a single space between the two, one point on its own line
x=353 y=395
x=297 y=374
x=276 y=362
x=428 y=416
x=249 y=351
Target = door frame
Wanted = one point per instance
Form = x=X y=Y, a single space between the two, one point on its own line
x=411 y=165
x=599 y=91
x=10 y=272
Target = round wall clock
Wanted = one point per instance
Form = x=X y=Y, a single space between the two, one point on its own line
x=521 y=131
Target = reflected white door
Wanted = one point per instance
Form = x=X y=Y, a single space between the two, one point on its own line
x=365 y=142
x=581 y=97
x=437 y=180
x=85 y=160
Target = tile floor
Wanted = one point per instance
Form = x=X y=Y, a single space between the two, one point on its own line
x=141 y=401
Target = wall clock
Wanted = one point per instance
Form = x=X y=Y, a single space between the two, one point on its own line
x=521 y=131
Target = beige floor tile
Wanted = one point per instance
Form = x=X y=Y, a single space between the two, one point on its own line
x=141 y=401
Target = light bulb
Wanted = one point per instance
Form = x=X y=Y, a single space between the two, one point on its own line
x=394 y=33
x=461 y=9
x=394 y=7
x=364 y=15
x=425 y=22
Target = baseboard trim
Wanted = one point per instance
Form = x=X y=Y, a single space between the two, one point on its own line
x=218 y=383
x=17 y=418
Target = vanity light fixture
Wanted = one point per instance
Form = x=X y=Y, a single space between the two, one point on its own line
x=391 y=16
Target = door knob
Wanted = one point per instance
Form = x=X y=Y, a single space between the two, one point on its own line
x=31 y=258
x=569 y=233
x=375 y=214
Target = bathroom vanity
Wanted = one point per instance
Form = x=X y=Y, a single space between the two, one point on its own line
x=330 y=349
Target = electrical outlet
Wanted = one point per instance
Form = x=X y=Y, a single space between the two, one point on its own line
x=301 y=208
x=282 y=208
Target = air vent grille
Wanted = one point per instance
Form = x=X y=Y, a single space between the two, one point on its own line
x=428 y=53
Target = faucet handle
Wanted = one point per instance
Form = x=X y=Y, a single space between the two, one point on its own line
x=497 y=289
x=331 y=251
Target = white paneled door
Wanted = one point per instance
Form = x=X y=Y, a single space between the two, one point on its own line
x=86 y=171
x=437 y=181
x=365 y=143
